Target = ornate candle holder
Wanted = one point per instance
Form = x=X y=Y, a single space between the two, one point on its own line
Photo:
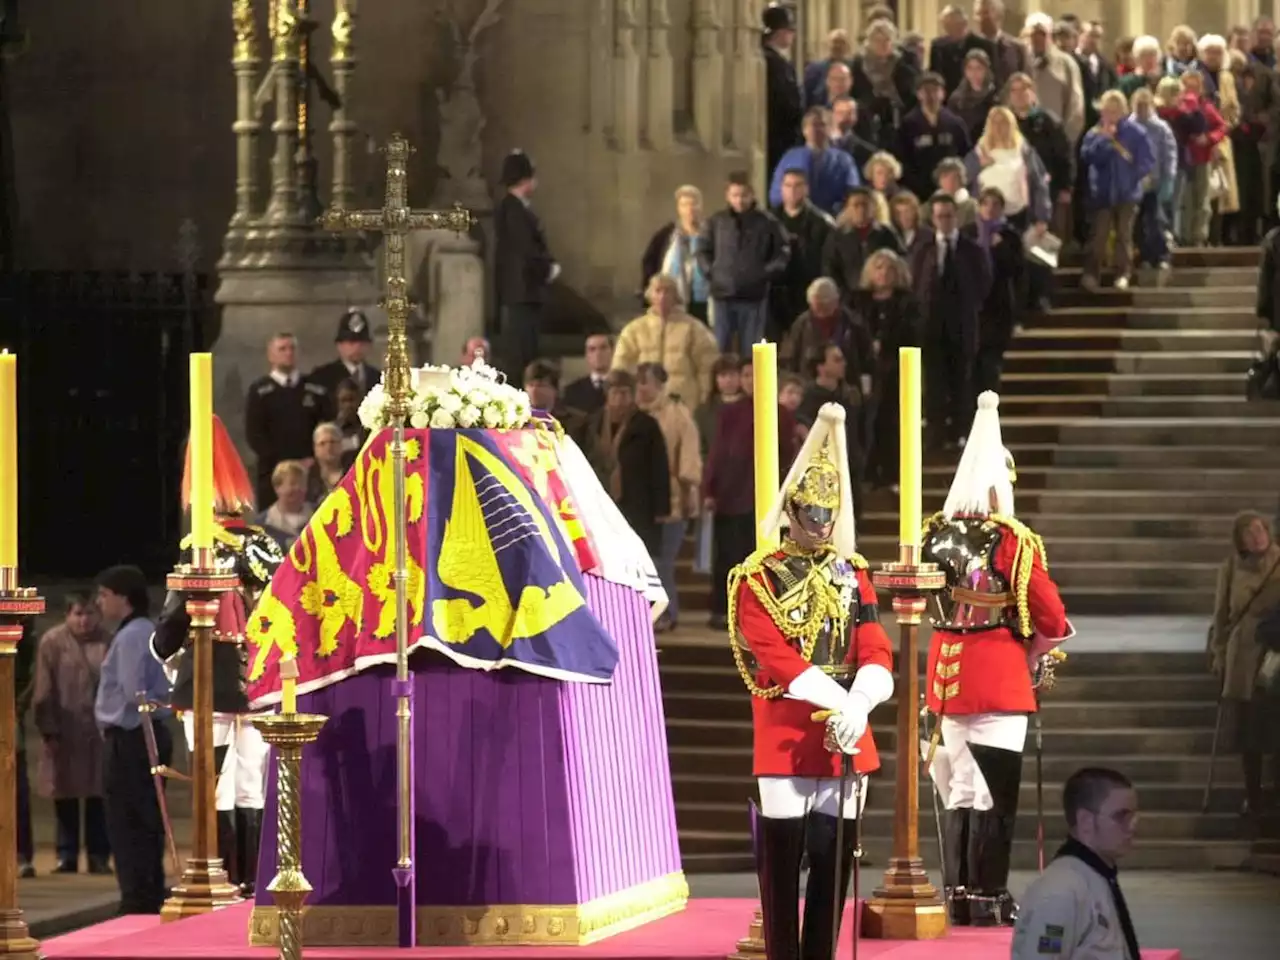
x=16 y=605
x=204 y=886
x=907 y=906
x=289 y=733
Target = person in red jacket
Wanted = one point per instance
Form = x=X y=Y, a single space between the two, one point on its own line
x=807 y=639
x=1002 y=616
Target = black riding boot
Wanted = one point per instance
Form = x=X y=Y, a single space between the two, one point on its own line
x=955 y=882
x=227 y=844
x=248 y=831
x=820 y=891
x=991 y=838
x=779 y=846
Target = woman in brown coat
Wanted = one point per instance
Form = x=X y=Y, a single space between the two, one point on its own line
x=1248 y=588
x=68 y=664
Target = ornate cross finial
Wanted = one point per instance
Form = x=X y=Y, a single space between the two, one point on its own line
x=394 y=221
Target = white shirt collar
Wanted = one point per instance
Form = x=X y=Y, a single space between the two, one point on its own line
x=285 y=379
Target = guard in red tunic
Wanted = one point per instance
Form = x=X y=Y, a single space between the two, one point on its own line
x=1001 y=615
x=807 y=638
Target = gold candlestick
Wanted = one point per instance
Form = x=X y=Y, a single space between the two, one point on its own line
x=204 y=886
x=289 y=733
x=16 y=604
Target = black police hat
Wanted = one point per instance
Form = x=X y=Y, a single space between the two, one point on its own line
x=777 y=18
x=516 y=166
x=353 y=327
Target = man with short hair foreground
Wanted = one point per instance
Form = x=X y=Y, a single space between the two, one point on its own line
x=1075 y=910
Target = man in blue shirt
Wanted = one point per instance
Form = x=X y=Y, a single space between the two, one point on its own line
x=134 y=825
x=830 y=171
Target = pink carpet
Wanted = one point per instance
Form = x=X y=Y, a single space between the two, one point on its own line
x=707 y=930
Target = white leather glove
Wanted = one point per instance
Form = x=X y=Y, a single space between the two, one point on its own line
x=844 y=730
x=555 y=272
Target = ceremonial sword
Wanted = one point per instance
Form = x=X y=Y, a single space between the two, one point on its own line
x=159 y=773
x=933 y=790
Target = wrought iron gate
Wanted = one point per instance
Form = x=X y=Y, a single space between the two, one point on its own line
x=102 y=411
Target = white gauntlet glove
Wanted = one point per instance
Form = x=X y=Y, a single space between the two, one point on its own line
x=844 y=730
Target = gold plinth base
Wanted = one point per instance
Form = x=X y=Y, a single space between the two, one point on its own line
x=751 y=947
x=497 y=925
x=15 y=939
x=203 y=889
x=906 y=907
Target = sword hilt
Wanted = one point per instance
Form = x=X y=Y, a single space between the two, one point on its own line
x=822 y=716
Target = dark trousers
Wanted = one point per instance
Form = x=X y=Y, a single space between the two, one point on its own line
x=134 y=826
x=949 y=360
x=26 y=846
x=96 y=844
x=699 y=309
x=883 y=434
x=1153 y=249
x=989 y=364
x=733 y=536
x=522 y=328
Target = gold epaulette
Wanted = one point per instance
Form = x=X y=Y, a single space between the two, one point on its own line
x=220 y=534
x=820 y=597
x=1024 y=557
x=932 y=524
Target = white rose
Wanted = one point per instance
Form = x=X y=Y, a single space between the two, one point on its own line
x=468 y=416
x=450 y=402
x=477 y=397
x=371 y=411
x=419 y=420
x=442 y=420
x=493 y=416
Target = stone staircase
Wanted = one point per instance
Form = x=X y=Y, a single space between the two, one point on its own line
x=1150 y=714
x=1135 y=444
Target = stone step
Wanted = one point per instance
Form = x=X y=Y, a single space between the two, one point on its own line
x=1173 y=318
x=1119 y=338
x=1031 y=503
x=1229 y=275
x=1184 y=362
x=1071 y=688
x=1167 y=297
x=1056 y=712
x=1146 y=457
x=727 y=732
x=878 y=820
x=1191 y=431
x=1107 y=383
x=1124 y=479
x=1234 y=406
x=729 y=852
x=881 y=526
x=1176 y=571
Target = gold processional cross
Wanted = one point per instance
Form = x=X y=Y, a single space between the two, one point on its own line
x=394 y=221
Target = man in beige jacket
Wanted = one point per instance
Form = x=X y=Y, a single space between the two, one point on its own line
x=683 y=345
x=1059 y=86
x=1075 y=910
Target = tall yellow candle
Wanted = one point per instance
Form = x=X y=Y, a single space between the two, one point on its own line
x=8 y=460
x=289 y=685
x=202 y=450
x=764 y=378
x=909 y=466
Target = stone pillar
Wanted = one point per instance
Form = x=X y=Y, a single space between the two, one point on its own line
x=626 y=72
x=708 y=74
x=600 y=65
x=247 y=128
x=659 y=80
x=747 y=100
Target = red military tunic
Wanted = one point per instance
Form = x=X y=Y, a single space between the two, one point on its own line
x=788 y=742
x=987 y=671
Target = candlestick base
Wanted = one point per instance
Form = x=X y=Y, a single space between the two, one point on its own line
x=204 y=887
x=16 y=942
x=751 y=947
x=907 y=906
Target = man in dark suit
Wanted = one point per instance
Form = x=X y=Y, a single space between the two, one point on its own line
x=352 y=342
x=588 y=393
x=947 y=52
x=524 y=265
x=953 y=278
x=784 y=104
x=1096 y=74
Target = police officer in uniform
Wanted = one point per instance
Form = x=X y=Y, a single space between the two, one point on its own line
x=282 y=411
x=806 y=636
x=784 y=107
x=240 y=753
x=353 y=341
x=1001 y=617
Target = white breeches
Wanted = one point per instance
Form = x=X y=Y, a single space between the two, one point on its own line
x=242 y=781
x=955 y=773
x=783 y=798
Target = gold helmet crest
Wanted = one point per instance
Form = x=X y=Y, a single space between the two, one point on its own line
x=818 y=485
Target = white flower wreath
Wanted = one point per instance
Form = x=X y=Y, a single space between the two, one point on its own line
x=446 y=397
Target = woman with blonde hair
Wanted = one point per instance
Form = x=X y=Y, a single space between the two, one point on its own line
x=1180 y=51
x=1248 y=589
x=684 y=346
x=882 y=172
x=904 y=221
x=886 y=306
x=1220 y=87
x=1004 y=160
x=673 y=251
